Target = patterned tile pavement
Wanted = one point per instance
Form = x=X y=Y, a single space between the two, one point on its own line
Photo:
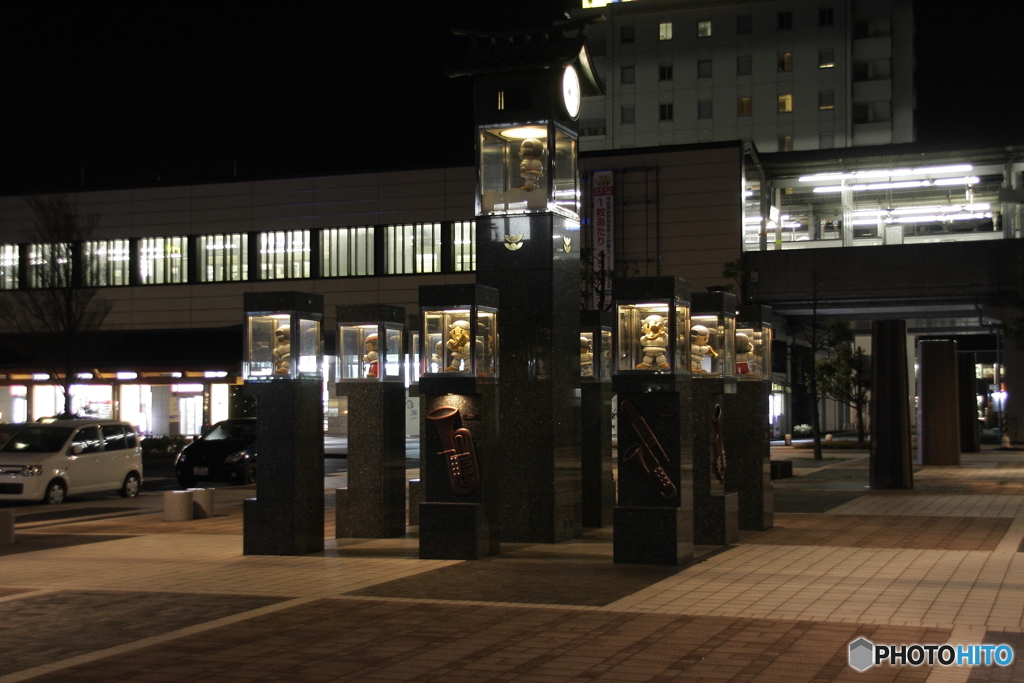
x=130 y=597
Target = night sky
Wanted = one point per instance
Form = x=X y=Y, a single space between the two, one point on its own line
x=166 y=97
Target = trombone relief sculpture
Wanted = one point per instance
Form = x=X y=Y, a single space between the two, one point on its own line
x=648 y=452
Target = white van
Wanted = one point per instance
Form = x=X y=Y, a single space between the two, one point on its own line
x=66 y=457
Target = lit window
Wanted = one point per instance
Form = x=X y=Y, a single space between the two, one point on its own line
x=627 y=75
x=785 y=143
x=785 y=61
x=704 y=109
x=825 y=16
x=413 y=248
x=665 y=72
x=703 y=29
x=743 y=65
x=665 y=112
x=785 y=21
x=464 y=246
x=744 y=106
x=346 y=252
x=785 y=104
x=626 y=34
x=628 y=115
x=50 y=265
x=743 y=25
x=106 y=263
x=9 y=260
x=284 y=254
x=826 y=99
x=704 y=68
x=665 y=30
x=826 y=59
x=163 y=260
x=223 y=258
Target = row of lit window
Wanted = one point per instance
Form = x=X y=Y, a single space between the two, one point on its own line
x=284 y=254
x=744 y=66
x=744 y=25
x=744 y=107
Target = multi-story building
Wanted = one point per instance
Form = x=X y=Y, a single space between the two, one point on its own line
x=786 y=74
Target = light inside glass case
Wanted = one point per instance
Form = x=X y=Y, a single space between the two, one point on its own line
x=596 y=355
x=528 y=168
x=451 y=345
x=605 y=358
x=644 y=341
x=587 y=356
x=276 y=352
x=753 y=349
x=363 y=356
x=711 y=345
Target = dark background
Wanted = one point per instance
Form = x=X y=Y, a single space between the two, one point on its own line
x=166 y=95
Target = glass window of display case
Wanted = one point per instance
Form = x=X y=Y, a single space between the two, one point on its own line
x=413 y=363
x=519 y=174
x=753 y=352
x=274 y=351
x=596 y=355
x=461 y=340
x=362 y=355
x=711 y=345
x=646 y=339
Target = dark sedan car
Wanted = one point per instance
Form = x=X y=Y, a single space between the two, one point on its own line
x=226 y=452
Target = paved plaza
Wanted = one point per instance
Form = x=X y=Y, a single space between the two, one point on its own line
x=106 y=590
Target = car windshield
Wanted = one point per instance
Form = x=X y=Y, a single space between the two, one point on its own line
x=244 y=432
x=38 y=439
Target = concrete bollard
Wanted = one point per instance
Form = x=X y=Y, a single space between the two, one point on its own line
x=789 y=439
x=178 y=506
x=7 y=526
x=202 y=503
x=828 y=438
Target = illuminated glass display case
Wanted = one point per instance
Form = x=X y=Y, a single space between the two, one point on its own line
x=713 y=335
x=595 y=353
x=651 y=336
x=282 y=345
x=528 y=168
x=364 y=356
x=753 y=344
x=460 y=340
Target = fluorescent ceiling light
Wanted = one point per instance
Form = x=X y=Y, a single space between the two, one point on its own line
x=525 y=132
x=891 y=173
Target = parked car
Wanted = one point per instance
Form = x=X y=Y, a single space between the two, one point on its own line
x=52 y=461
x=225 y=452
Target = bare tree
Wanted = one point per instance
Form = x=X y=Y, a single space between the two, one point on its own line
x=60 y=306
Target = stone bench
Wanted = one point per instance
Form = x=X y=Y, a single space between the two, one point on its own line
x=182 y=506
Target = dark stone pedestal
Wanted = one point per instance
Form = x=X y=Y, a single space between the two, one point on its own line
x=454 y=527
x=650 y=529
x=711 y=523
x=596 y=453
x=454 y=531
x=658 y=535
x=415 y=498
x=287 y=518
x=748 y=454
x=890 y=463
x=967 y=388
x=539 y=326
x=938 y=424
x=374 y=504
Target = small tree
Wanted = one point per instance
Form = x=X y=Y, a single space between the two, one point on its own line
x=846 y=374
x=818 y=340
x=59 y=307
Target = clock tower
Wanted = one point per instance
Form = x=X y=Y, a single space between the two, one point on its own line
x=527 y=91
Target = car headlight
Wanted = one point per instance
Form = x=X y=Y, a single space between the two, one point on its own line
x=234 y=457
x=31 y=470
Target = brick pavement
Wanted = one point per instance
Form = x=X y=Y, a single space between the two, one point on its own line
x=133 y=598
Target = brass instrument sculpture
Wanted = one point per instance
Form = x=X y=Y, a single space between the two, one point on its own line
x=458 y=450
x=648 y=452
x=717 y=449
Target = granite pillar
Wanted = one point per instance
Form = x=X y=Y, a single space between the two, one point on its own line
x=748 y=454
x=373 y=505
x=890 y=464
x=539 y=463
x=715 y=511
x=967 y=395
x=287 y=517
x=938 y=423
x=453 y=526
x=596 y=424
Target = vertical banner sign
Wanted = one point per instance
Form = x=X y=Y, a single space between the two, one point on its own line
x=604 y=250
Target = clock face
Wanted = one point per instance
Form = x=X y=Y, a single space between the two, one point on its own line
x=571 y=92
